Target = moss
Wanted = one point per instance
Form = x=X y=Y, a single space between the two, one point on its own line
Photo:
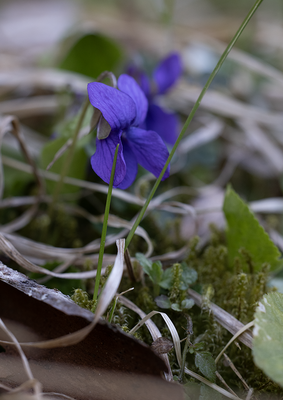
x=236 y=292
x=81 y=298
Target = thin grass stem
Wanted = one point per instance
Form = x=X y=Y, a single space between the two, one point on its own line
x=190 y=117
x=104 y=228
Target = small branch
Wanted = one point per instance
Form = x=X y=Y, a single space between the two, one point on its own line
x=224 y=319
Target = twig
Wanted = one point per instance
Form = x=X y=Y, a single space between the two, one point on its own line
x=232 y=366
x=225 y=384
x=224 y=319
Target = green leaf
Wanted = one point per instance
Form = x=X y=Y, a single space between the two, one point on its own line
x=189 y=276
x=268 y=336
x=197 y=346
x=156 y=272
x=187 y=304
x=144 y=262
x=206 y=364
x=244 y=231
x=77 y=168
x=167 y=278
x=176 y=307
x=163 y=301
x=92 y=54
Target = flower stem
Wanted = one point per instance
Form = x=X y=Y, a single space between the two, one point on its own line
x=69 y=158
x=104 y=228
x=190 y=117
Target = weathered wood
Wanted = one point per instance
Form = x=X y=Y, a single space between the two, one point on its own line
x=107 y=364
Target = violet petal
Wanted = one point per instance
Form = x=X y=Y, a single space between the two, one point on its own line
x=117 y=108
x=149 y=150
x=162 y=122
x=102 y=160
x=141 y=78
x=167 y=72
x=131 y=166
x=128 y=85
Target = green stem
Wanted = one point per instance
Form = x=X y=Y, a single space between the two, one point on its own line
x=104 y=228
x=190 y=117
x=112 y=310
x=184 y=355
x=68 y=159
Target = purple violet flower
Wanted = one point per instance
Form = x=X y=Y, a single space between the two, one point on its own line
x=125 y=110
x=164 y=77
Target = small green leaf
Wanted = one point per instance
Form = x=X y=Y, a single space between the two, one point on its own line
x=244 y=231
x=167 y=278
x=144 y=262
x=189 y=276
x=206 y=364
x=156 y=272
x=176 y=307
x=187 y=304
x=268 y=336
x=198 y=346
x=163 y=301
x=92 y=54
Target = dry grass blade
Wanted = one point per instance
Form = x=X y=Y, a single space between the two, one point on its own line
x=173 y=331
x=96 y=187
x=221 y=104
x=23 y=357
x=225 y=319
x=113 y=280
x=4 y=387
x=177 y=346
x=49 y=79
x=105 y=299
x=21 y=221
x=224 y=383
x=30 y=107
x=18 y=201
x=114 y=222
x=239 y=333
x=211 y=385
x=35 y=384
x=172 y=255
x=232 y=366
x=57 y=396
x=61 y=268
x=25 y=387
x=177 y=207
x=153 y=330
x=253 y=64
x=172 y=193
x=263 y=144
x=21 y=396
x=7 y=247
x=272 y=205
x=65 y=147
x=203 y=135
x=11 y=124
